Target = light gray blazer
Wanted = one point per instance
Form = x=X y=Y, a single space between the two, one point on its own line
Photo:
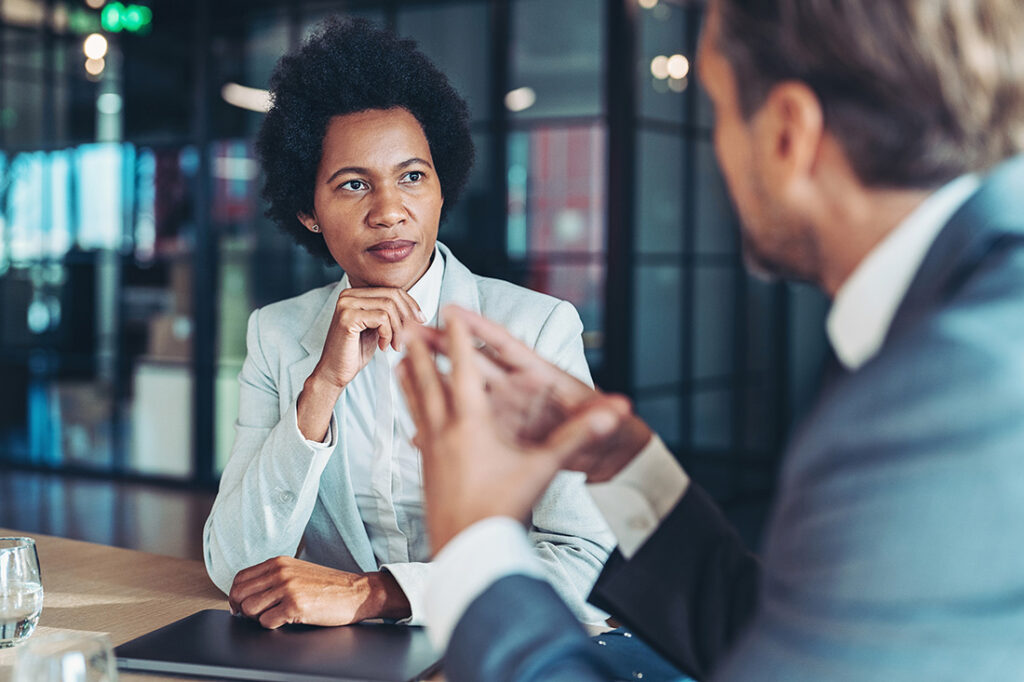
x=279 y=495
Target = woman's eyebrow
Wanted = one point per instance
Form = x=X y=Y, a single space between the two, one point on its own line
x=413 y=161
x=357 y=170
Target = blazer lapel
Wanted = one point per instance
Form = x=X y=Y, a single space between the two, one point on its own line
x=992 y=214
x=458 y=286
x=335 y=480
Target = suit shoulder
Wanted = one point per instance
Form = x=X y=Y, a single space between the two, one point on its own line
x=292 y=315
x=518 y=308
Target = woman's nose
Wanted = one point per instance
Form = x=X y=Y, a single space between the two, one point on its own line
x=387 y=209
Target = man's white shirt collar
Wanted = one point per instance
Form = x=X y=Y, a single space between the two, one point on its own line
x=865 y=304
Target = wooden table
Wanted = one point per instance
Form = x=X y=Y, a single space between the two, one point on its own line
x=120 y=592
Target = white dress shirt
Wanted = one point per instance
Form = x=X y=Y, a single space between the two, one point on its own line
x=865 y=304
x=641 y=495
x=384 y=467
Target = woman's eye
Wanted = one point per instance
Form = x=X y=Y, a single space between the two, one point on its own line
x=414 y=176
x=354 y=185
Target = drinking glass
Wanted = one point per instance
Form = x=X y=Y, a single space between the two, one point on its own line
x=66 y=657
x=21 y=590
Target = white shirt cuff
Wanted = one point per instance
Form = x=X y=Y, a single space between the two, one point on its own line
x=471 y=562
x=412 y=578
x=641 y=495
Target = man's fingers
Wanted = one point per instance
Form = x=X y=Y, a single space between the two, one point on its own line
x=584 y=431
x=413 y=402
x=505 y=348
x=468 y=394
x=509 y=352
x=425 y=386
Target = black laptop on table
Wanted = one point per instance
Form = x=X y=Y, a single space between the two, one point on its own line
x=214 y=643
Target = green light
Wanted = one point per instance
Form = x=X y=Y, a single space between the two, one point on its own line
x=132 y=18
x=110 y=18
x=117 y=17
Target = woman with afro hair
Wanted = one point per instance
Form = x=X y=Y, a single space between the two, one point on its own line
x=319 y=518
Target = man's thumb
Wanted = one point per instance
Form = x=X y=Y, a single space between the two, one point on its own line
x=582 y=432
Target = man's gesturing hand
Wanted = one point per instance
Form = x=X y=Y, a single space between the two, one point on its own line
x=472 y=468
x=530 y=397
x=286 y=590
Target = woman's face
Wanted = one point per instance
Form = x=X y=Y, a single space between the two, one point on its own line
x=377 y=199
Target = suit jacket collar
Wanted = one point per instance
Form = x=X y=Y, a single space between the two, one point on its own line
x=994 y=213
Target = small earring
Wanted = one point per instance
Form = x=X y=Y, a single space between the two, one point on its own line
x=315 y=228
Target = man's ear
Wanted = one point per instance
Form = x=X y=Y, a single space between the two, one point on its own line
x=790 y=127
x=308 y=220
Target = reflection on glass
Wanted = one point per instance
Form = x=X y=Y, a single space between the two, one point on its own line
x=311 y=18
x=266 y=39
x=660 y=193
x=761 y=324
x=714 y=310
x=581 y=285
x=712 y=419
x=556 y=52
x=717 y=227
x=657 y=341
x=456 y=38
x=556 y=191
x=663 y=33
x=662 y=415
x=475 y=213
x=99 y=172
x=84 y=322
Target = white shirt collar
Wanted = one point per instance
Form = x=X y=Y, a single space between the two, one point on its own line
x=865 y=304
x=427 y=290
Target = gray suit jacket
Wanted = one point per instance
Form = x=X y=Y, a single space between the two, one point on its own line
x=278 y=491
x=891 y=551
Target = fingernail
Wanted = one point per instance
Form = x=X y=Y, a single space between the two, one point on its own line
x=603 y=422
x=421 y=317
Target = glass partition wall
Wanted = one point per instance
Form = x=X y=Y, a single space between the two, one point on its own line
x=133 y=243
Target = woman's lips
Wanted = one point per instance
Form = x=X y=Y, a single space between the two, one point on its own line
x=392 y=251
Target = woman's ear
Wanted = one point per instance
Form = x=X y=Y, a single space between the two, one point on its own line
x=309 y=221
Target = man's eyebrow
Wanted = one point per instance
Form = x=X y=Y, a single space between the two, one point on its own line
x=359 y=170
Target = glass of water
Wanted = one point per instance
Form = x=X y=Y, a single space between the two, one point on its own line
x=21 y=590
x=66 y=657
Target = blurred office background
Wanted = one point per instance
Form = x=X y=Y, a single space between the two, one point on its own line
x=133 y=243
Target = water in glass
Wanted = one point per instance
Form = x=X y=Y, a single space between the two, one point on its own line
x=21 y=590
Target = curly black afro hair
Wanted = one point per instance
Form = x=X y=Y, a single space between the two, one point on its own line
x=348 y=66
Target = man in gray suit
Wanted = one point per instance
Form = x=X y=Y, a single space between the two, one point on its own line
x=873 y=148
